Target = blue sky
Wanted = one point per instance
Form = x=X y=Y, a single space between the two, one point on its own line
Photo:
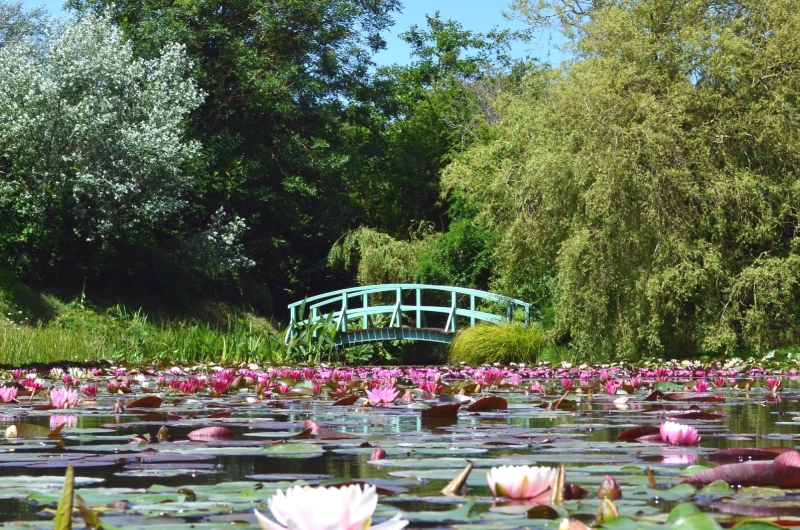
x=476 y=15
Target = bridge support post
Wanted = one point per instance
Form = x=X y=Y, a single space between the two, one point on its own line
x=365 y=298
x=419 y=310
x=343 y=315
x=509 y=312
x=472 y=308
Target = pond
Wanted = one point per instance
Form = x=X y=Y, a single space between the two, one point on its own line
x=178 y=448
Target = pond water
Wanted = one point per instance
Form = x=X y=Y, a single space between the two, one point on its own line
x=217 y=479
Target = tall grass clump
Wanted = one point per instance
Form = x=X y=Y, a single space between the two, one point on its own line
x=23 y=345
x=489 y=343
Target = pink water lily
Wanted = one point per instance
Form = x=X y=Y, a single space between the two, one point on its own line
x=382 y=395
x=8 y=394
x=679 y=434
x=520 y=482
x=774 y=384
x=307 y=508
x=61 y=398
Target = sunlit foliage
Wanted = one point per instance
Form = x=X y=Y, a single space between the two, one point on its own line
x=650 y=191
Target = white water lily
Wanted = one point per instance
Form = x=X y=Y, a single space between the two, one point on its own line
x=520 y=482
x=307 y=508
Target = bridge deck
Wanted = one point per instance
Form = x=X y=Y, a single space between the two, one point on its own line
x=359 y=336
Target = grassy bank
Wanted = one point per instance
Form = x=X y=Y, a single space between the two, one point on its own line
x=41 y=327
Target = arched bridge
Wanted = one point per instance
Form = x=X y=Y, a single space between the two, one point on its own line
x=404 y=311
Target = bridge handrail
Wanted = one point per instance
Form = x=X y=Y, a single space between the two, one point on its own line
x=371 y=289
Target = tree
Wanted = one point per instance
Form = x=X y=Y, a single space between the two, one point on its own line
x=649 y=192
x=284 y=80
x=93 y=156
x=17 y=24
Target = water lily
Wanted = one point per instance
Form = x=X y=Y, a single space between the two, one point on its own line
x=89 y=391
x=701 y=385
x=307 y=508
x=610 y=387
x=678 y=434
x=774 y=384
x=382 y=395
x=61 y=398
x=520 y=482
x=8 y=394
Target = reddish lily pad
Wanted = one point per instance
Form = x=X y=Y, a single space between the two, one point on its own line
x=700 y=397
x=784 y=472
x=346 y=401
x=739 y=454
x=147 y=402
x=212 y=433
x=488 y=404
x=442 y=411
x=635 y=433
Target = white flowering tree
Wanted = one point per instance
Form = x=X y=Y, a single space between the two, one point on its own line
x=93 y=153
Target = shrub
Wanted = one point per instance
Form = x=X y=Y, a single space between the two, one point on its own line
x=504 y=343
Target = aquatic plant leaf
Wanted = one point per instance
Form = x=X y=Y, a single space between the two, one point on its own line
x=682 y=510
x=454 y=398
x=487 y=404
x=441 y=411
x=634 y=433
x=90 y=517
x=29 y=431
x=542 y=512
x=756 y=525
x=212 y=433
x=457 y=515
x=700 y=397
x=749 y=474
x=63 y=519
x=738 y=454
x=654 y=396
x=455 y=486
x=668 y=386
x=146 y=402
x=697 y=521
x=346 y=401
x=279 y=477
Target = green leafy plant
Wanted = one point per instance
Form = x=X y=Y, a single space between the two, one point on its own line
x=310 y=340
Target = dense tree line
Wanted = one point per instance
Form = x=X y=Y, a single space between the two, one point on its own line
x=644 y=194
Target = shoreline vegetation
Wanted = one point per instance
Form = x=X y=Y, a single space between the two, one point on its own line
x=42 y=328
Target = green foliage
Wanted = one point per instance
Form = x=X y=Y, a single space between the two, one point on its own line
x=380 y=257
x=461 y=256
x=503 y=343
x=649 y=191
x=287 y=85
x=311 y=342
x=94 y=161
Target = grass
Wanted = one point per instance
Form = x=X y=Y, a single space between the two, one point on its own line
x=504 y=343
x=40 y=328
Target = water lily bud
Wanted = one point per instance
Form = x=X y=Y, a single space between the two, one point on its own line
x=609 y=489
x=314 y=426
x=377 y=454
x=407 y=397
x=607 y=511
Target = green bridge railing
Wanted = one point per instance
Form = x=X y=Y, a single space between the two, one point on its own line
x=405 y=302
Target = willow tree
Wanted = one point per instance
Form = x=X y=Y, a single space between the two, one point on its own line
x=650 y=192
